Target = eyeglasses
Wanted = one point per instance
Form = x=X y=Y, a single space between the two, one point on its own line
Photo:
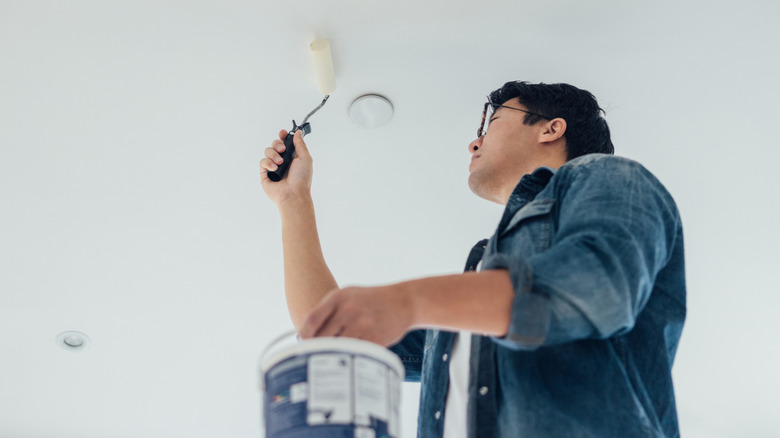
x=495 y=107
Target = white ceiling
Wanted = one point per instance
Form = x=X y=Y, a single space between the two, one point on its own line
x=130 y=134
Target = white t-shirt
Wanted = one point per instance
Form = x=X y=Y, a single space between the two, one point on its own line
x=458 y=393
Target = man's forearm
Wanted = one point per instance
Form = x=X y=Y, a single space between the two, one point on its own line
x=306 y=276
x=480 y=302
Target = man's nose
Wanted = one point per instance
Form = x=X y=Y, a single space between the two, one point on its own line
x=476 y=144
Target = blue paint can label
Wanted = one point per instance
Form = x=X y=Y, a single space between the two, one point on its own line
x=332 y=394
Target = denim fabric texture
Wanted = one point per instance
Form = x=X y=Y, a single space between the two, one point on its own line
x=594 y=251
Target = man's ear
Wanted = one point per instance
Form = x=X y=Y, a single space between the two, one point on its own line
x=552 y=130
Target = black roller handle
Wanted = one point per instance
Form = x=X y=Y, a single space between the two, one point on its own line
x=289 y=152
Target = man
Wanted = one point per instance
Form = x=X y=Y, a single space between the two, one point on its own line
x=570 y=327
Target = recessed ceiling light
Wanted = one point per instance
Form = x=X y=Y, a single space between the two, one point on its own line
x=73 y=341
x=371 y=110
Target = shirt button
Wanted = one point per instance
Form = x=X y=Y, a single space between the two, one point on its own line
x=444 y=358
x=437 y=414
x=483 y=390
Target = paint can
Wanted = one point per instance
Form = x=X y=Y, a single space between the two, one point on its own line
x=331 y=387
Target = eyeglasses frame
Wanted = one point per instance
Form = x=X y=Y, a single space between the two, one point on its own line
x=495 y=108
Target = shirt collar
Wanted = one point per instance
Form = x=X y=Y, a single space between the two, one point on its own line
x=530 y=185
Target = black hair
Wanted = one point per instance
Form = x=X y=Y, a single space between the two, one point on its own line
x=586 y=129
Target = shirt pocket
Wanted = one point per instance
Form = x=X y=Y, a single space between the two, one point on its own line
x=530 y=229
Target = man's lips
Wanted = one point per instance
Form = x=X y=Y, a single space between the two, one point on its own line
x=473 y=158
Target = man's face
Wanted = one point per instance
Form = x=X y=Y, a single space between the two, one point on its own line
x=504 y=154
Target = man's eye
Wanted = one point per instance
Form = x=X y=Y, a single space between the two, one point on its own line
x=491 y=119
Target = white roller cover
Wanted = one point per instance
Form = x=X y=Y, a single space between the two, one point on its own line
x=323 y=65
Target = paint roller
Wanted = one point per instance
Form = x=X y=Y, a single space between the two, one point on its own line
x=326 y=82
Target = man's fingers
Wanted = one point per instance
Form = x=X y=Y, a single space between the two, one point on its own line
x=278 y=146
x=267 y=164
x=300 y=146
x=318 y=318
x=333 y=326
x=273 y=155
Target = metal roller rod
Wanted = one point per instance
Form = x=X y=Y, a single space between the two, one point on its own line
x=315 y=109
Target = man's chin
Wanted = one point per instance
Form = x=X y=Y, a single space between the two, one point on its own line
x=477 y=185
x=481 y=186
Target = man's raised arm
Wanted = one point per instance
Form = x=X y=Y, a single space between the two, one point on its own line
x=306 y=276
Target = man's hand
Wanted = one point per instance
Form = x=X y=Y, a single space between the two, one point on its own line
x=298 y=180
x=378 y=314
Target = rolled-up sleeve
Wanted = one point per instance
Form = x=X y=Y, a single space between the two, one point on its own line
x=614 y=231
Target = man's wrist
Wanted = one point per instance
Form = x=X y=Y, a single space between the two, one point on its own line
x=415 y=302
x=295 y=203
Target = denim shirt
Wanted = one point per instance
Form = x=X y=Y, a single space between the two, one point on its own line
x=594 y=251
